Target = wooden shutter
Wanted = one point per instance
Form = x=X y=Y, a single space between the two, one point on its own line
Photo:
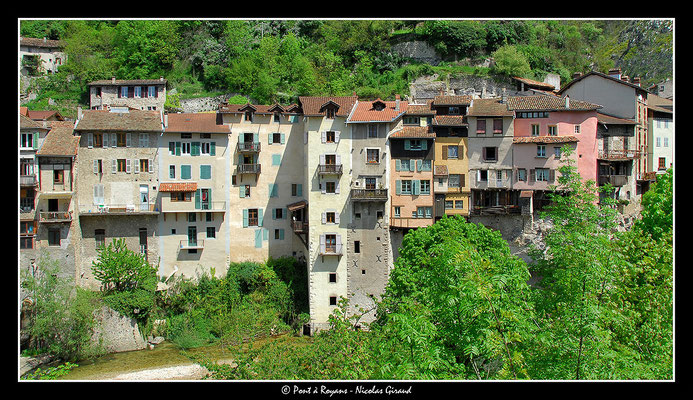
x=552 y=175
x=445 y=152
x=531 y=176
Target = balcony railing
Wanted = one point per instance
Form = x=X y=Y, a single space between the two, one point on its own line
x=191 y=244
x=248 y=147
x=618 y=154
x=27 y=180
x=331 y=250
x=495 y=210
x=55 y=216
x=330 y=169
x=119 y=209
x=248 y=168
x=410 y=222
x=299 y=226
x=369 y=194
x=614 y=180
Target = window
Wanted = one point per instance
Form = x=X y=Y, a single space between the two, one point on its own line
x=192 y=217
x=330 y=137
x=330 y=187
x=276 y=117
x=100 y=237
x=422 y=212
x=330 y=113
x=98 y=139
x=296 y=189
x=205 y=148
x=58 y=176
x=181 y=196
x=185 y=148
x=333 y=300
x=453 y=151
x=205 y=172
x=426 y=186
x=662 y=163
x=123 y=91
x=542 y=174
x=186 y=135
x=330 y=243
x=535 y=130
x=357 y=246
x=490 y=154
x=454 y=181
x=659 y=142
x=577 y=129
x=253 y=217
x=666 y=142
x=372 y=156
x=276 y=138
x=405 y=165
x=249 y=116
x=370 y=182
x=138 y=91
x=483 y=176
x=151 y=91
x=209 y=217
x=521 y=174
x=172 y=171
x=54 y=237
x=481 y=126
x=453 y=110
x=121 y=140
x=557 y=152
x=459 y=204
x=497 y=126
x=332 y=277
x=397 y=211
x=411 y=121
x=541 y=150
x=553 y=130
x=406 y=187
x=246 y=190
x=330 y=217
x=372 y=130
x=185 y=172
x=27 y=140
x=415 y=144
x=144 y=165
x=426 y=165
x=121 y=165
x=211 y=233
x=449 y=204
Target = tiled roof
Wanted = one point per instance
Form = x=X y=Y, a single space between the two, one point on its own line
x=545 y=139
x=420 y=109
x=43 y=115
x=609 y=120
x=28 y=123
x=489 y=108
x=413 y=132
x=449 y=120
x=463 y=100
x=595 y=73
x=440 y=170
x=40 y=42
x=548 y=103
x=178 y=186
x=125 y=82
x=60 y=140
x=195 y=122
x=535 y=84
x=134 y=120
x=257 y=108
x=365 y=111
x=313 y=106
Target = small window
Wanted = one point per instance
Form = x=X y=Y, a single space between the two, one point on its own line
x=372 y=156
x=553 y=130
x=205 y=147
x=58 y=176
x=452 y=151
x=541 y=150
x=151 y=91
x=144 y=165
x=330 y=217
x=535 y=130
x=172 y=171
x=330 y=187
x=122 y=165
x=100 y=237
x=276 y=117
x=577 y=129
x=379 y=213
x=54 y=237
x=333 y=300
x=121 y=140
x=185 y=148
x=372 y=130
x=497 y=126
x=211 y=232
x=411 y=121
x=449 y=204
x=330 y=113
x=276 y=138
x=397 y=211
x=330 y=137
x=333 y=277
x=357 y=246
x=490 y=154
x=522 y=174
x=480 y=126
x=192 y=217
x=253 y=217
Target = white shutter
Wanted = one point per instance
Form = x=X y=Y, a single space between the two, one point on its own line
x=336 y=136
x=338 y=159
x=128 y=165
x=114 y=139
x=322 y=244
x=90 y=140
x=114 y=166
x=323 y=189
x=96 y=166
x=336 y=217
x=336 y=187
x=150 y=165
x=322 y=159
x=323 y=137
x=339 y=244
x=137 y=166
x=128 y=139
x=324 y=217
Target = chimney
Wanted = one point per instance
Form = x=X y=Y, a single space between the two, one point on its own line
x=113 y=79
x=577 y=75
x=161 y=78
x=635 y=80
x=567 y=102
x=504 y=97
x=615 y=73
x=397 y=99
x=624 y=78
x=165 y=120
x=79 y=113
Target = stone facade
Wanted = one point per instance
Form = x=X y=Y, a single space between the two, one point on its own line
x=141 y=94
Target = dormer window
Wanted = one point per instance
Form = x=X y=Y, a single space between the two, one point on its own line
x=330 y=113
x=378 y=105
x=249 y=116
x=453 y=111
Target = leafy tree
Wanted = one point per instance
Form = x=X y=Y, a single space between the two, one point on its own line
x=658 y=207
x=120 y=269
x=511 y=62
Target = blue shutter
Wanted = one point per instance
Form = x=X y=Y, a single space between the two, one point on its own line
x=398 y=186
x=198 y=200
x=424 y=144
x=241 y=192
x=212 y=149
x=281 y=234
x=178 y=148
x=245 y=218
x=407 y=144
x=259 y=217
x=283 y=138
x=299 y=189
x=258 y=238
x=398 y=164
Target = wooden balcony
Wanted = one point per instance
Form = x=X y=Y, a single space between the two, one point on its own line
x=618 y=154
x=369 y=194
x=248 y=147
x=28 y=180
x=248 y=169
x=55 y=216
x=410 y=222
x=614 y=180
x=495 y=210
x=299 y=226
x=330 y=169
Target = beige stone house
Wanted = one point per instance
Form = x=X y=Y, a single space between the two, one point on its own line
x=139 y=94
x=40 y=56
x=117 y=185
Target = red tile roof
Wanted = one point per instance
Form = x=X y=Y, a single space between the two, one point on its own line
x=125 y=82
x=134 y=120
x=365 y=111
x=535 y=84
x=42 y=115
x=413 y=132
x=449 y=120
x=314 y=106
x=489 y=108
x=60 y=140
x=548 y=103
x=462 y=100
x=420 y=109
x=195 y=123
x=258 y=108
x=178 y=186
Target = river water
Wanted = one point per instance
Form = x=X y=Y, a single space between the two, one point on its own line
x=166 y=361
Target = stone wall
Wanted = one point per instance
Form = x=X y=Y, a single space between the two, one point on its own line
x=202 y=104
x=116 y=333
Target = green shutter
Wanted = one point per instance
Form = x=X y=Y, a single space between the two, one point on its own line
x=424 y=144
x=259 y=217
x=185 y=172
x=274 y=213
x=258 y=238
x=398 y=186
x=245 y=218
x=272 y=190
x=177 y=148
x=198 y=200
x=299 y=189
x=265 y=234
x=283 y=139
x=416 y=187
x=276 y=159
x=281 y=234
x=205 y=172
x=35 y=141
x=212 y=149
x=412 y=166
x=418 y=165
x=195 y=149
x=398 y=164
x=256 y=137
x=241 y=191
x=407 y=144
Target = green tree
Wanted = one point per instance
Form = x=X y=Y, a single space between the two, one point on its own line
x=658 y=207
x=511 y=62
